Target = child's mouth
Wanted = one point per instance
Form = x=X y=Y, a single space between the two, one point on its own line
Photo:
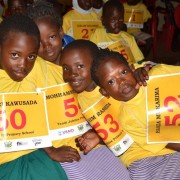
x=76 y=83
x=126 y=89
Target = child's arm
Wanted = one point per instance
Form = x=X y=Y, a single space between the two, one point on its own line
x=173 y=146
x=63 y=154
x=88 y=141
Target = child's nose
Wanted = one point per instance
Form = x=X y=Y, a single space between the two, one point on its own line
x=74 y=72
x=22 y=63
x=120 y=81
x=46 y=45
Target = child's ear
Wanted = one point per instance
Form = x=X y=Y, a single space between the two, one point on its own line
x=104 y=93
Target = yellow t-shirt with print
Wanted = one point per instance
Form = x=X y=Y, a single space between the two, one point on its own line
x=74 y=15
x=43 y=74
x=140 y=7
x=132 y=117
x=87 y=99
x=122 y=42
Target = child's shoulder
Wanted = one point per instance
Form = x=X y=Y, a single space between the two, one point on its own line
x=46 y=66
x=140 y=5
x=70 y=13
x=161 y=69
x=125 y=34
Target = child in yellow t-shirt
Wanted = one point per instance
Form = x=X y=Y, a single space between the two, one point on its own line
x=70 y=157
x=81 y=21
x=113 y=36
x=76 y=62
x=49 y=23
x=136 y=16
x=22 y=71
x=144 y=161
x=97 y=7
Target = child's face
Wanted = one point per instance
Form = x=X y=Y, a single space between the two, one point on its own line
x=17 y=7
x=51 y=40
x=76 y=65
x=85 y=4
x=97 y=4
x=113 y=21
x=117 y=80
x=17 y=55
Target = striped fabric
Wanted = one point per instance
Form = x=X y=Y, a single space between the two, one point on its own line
x=166 y=167
x=99 y=164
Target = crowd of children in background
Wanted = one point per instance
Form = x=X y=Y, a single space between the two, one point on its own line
x=91 y=45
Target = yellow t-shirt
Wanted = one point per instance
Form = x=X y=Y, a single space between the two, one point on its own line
x=133 y=120
x=128 y=48
x=87 y=99
x=99 y=14
x=74 y=15
x=140 y=7
x=43 y=74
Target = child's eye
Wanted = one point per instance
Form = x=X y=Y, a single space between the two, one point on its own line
x=123 y=72
x=65 y=69
x=14 y=55
x=80 y=66
x=32 y=57
x=111 y=81
x=53 y=37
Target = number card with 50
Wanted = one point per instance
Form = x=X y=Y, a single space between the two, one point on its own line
x=163 y=109
x=23 y=121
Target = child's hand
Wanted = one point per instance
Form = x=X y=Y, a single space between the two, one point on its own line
x=141 y=74
x=63 y=154
x=88 y=141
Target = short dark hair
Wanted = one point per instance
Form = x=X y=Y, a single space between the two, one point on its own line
x=42 y=8
x=112 y=4
x=102 y=56
x=83 y=44
x=20 y=24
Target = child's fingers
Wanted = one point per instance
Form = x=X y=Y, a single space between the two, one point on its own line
x=141 y=77
x=73 y=155
x=145 y=74
x=137 y=86
x=132 y=67
x=148 y=67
